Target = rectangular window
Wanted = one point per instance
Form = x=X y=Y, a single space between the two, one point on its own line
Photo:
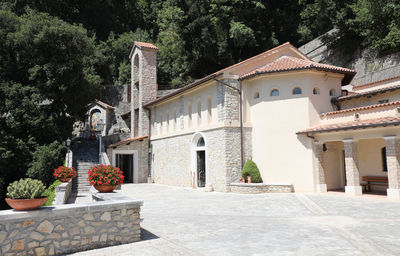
x=174 y=118
x=199 y=112
x=382 y=101
x=209 y=109
x=161 y=123
x=384 y=161
x=190 y=115
x=167 y=117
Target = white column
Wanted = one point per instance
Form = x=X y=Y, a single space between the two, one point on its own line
x=352 y=174
x=392 y=159
x=319 y=167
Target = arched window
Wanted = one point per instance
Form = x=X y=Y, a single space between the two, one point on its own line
x=274 y=92
x=315 y=91
x=332 y=92
x=256 y=95
x=200 y=142
x=296 y=91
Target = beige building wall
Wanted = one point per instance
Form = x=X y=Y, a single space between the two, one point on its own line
x=282 y=156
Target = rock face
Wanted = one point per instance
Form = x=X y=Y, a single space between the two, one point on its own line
x=72 y=228
x=367 y=64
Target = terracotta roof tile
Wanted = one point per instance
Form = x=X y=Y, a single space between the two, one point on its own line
x=146 y=45
x=363 y=108
x=361 y=124
x=122 y=142
x=105 y=105
x=289 y=63
x=372 y=92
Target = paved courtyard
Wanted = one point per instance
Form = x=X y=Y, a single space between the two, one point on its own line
x=184 y=221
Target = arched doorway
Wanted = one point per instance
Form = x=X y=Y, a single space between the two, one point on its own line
x=199 y=159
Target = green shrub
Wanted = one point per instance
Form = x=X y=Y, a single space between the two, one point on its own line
x=45 y=159
x=250 y=169
x=50 y=192
x=25 y=189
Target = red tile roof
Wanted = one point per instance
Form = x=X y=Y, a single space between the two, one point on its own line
x=371 y=92
x=352 y=125
x=122 y=142
x=289 y=63
x=363 y=108
x=362 y=86
x=146 y=45
x=105 y=105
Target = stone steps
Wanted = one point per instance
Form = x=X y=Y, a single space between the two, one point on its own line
x=85 y=157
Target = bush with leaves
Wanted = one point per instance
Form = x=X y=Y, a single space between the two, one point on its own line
x=26 y=189
x=45 y=159
x=250 y=169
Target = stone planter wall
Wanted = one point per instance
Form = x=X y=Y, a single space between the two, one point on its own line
x=69 y=228
x=257 y=188
x=63 y=191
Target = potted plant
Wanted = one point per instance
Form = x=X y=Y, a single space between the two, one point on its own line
x=64 y=174
x=26 y=194
x=251 y=173
x=105 y=178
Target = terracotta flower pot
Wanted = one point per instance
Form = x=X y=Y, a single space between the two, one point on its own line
x=65 y=179
x=26 y=204
x=105 y=188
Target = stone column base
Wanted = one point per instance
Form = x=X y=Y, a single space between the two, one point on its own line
x=208 y=188
x=353 y=190
x=393 y=193
x=322 y=188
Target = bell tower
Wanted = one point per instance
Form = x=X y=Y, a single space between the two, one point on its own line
x=143 y=85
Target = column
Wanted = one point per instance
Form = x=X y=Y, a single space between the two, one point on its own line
x=353 y=187
x=392 y=159
x=319 y=167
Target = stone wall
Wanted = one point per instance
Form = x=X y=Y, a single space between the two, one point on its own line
x=69 y=228
x=258 y=188
x=63 y=191
x=175 y=166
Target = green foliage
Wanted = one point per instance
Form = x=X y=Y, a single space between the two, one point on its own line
x=44 y=62
x=26 y=189
x=250 y=169
x=45 y=159
x=50 y=192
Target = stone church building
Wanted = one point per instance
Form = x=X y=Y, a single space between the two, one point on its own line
x=286 y=112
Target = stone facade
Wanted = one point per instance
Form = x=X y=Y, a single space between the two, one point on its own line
x=175 y=166
x=352 y=174
x=69 y=228
x=142 y=148
x=393 y=166
x=319 y=167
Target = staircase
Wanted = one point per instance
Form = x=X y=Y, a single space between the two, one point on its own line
x=86 y=155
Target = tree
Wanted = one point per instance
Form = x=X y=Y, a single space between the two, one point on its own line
x=49 y=72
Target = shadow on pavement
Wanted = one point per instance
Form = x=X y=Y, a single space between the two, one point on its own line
x=147 y=235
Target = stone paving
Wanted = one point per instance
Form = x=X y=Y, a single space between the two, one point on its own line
x=184 y=221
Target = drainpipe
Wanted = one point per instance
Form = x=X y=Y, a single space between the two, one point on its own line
x=149 y=152
x=240 y=115
x=241 y=123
